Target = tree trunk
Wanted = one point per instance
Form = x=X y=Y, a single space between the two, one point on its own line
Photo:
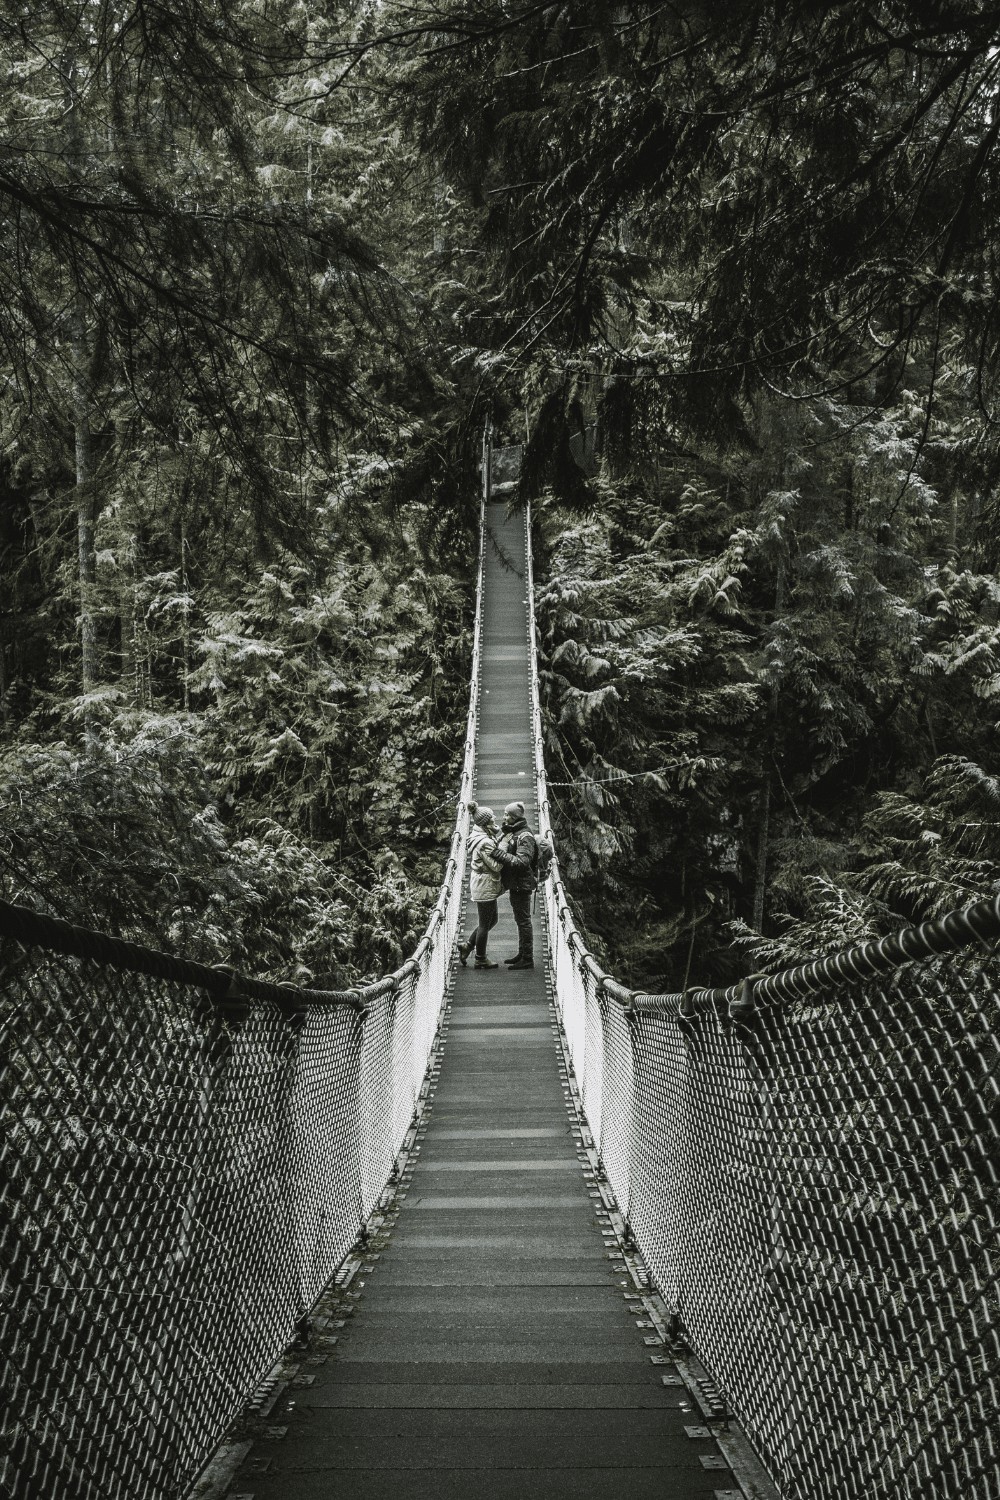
x=4 y=688
x=80 y=401
x=126 y=609
x=439 y=243
x=767 y=775
x=185 y=623
x=763 y=832
x=86 y=509
x=953 y=527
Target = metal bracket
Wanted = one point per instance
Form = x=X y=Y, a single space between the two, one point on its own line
x=744 y=1007
x=233 y=1003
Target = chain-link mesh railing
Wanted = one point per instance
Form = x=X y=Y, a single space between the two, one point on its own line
x=809 y=1164
x=186 y=1158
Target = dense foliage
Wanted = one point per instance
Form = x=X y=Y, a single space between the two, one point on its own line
x=742 y=279
x=235 y=489
x=733 y=267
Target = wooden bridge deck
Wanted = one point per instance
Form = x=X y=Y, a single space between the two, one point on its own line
x=492 y=1351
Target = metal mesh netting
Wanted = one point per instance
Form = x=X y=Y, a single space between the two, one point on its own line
x=186 y=1159
x=151 y=1155
x=809 y=1165
x=834 y=1246
x=178 y=1188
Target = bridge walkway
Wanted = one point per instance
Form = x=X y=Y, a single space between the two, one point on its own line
x=491 y=1351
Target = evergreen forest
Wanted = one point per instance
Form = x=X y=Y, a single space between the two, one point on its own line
x=729 y=272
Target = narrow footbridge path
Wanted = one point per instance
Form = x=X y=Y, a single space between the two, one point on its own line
x=494 y=1349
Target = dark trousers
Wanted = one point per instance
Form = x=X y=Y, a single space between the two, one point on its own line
x=488 y=918
x=520 y=905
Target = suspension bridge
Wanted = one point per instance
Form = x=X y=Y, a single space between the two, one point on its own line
x=500 y=1232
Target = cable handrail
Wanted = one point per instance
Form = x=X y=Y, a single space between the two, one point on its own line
x=228 y=986
x=978 y=922
x=176 y=1135
x=807 y=1163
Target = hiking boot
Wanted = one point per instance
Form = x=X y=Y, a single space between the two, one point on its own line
x=485 y=963
x=515 y=959
x=523 y=963
x=464 y=949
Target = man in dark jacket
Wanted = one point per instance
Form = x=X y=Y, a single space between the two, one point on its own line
x=517 y=854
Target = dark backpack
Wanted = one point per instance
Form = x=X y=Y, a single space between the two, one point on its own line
x=544 y=855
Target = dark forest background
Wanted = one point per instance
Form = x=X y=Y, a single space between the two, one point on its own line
x=730 y=272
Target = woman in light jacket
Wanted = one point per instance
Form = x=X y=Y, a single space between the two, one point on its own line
x=484 y=883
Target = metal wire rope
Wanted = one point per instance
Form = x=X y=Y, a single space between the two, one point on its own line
x=809 y=1163
x=187 y=1155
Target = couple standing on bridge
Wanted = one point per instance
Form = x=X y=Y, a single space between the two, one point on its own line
x=503 y=858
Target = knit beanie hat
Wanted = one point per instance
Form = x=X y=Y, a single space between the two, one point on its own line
x=483 y=816
x=514 y=810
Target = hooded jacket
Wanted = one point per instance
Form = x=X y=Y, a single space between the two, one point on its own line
x=484 y=875
x=518 y=856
